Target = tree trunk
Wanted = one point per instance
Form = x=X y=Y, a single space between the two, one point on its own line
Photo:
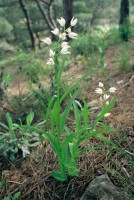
x=124 y=19
x=68 y=11
x=25 y=11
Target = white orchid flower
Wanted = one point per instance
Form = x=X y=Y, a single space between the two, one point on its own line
x=105 y=96
x=64 y=44
x=50 y=61
x=107 y=114
x=107 y=102
x=69 y=30
x=62 y=36
x=72 y=35
x=65 y=50
x=112 y=90
x=47 y=40
x=55 y=31
x=101 y=85
x=99 y=91
x=61 y=21
x=51 y=53
x=73 y=22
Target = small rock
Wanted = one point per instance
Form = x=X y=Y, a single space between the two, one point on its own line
x=101 y=188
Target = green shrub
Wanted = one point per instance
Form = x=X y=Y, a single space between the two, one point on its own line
x=5 y=27
x=14 y=138
x=22 y=56
x=124 y=58
x=84 y=45
x=113 y=36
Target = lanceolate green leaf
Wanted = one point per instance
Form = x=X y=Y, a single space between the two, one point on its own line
x=51 y=102
x=77 y=117
x=16 y=195
x=104 y=111
x=66 y=112
x=10 y=124
x=30 y=118
x=4 y=126
x=68 y=139
x=102 y=137
x=77 y=83
x=85 y=115
x=61 y=68
x=59 y=176
x=51 y=138
x=92 y=133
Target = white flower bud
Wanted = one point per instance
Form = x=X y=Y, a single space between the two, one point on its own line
x=101 y=85
x=62 y=36
x=64 y=44
x=51 y=53
x=72 y=35
x=69 y=30
x=107 y=114
x=50 y=61
x=47 y=40
x=112 y=89
x=64 y=51
x=73 y=22
x=105 y=96
x=107 y=102
x=61 y=21
x=55 y=31
x=99 y=91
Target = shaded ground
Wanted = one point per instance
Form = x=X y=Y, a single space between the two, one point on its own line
x=32 y=176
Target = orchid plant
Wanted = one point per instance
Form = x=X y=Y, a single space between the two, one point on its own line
x=104 y=96
x=65 y=141
x=60 y=48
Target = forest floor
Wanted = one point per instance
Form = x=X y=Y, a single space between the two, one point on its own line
x=32 y=177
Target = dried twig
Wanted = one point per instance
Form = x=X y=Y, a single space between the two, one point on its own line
x=128 y=81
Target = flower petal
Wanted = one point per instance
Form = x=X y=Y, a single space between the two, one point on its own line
x=55 y=31
x=51 y=53
x=99 y=91
x=112 y=90
x=72 y=35
x=64 y=51
x=101 y=84
x=47 y=40
x=50 y=61
x=73 y=22
x=107 y=114
x=62 y=36
x=61 y=21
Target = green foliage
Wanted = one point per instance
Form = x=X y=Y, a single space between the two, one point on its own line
x=125 y=31
x=15 y=196
x=32 y=67
x=42 y=95
x=22 y=56
x=5 y=80
x=113 y=36
x=124 y=58
x=5 y=28
x=34 y=70
x=66 y=146
x=6 y=49
x=84 y=45
x=14 y=138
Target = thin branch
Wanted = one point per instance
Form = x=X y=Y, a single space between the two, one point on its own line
x=48 y=22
